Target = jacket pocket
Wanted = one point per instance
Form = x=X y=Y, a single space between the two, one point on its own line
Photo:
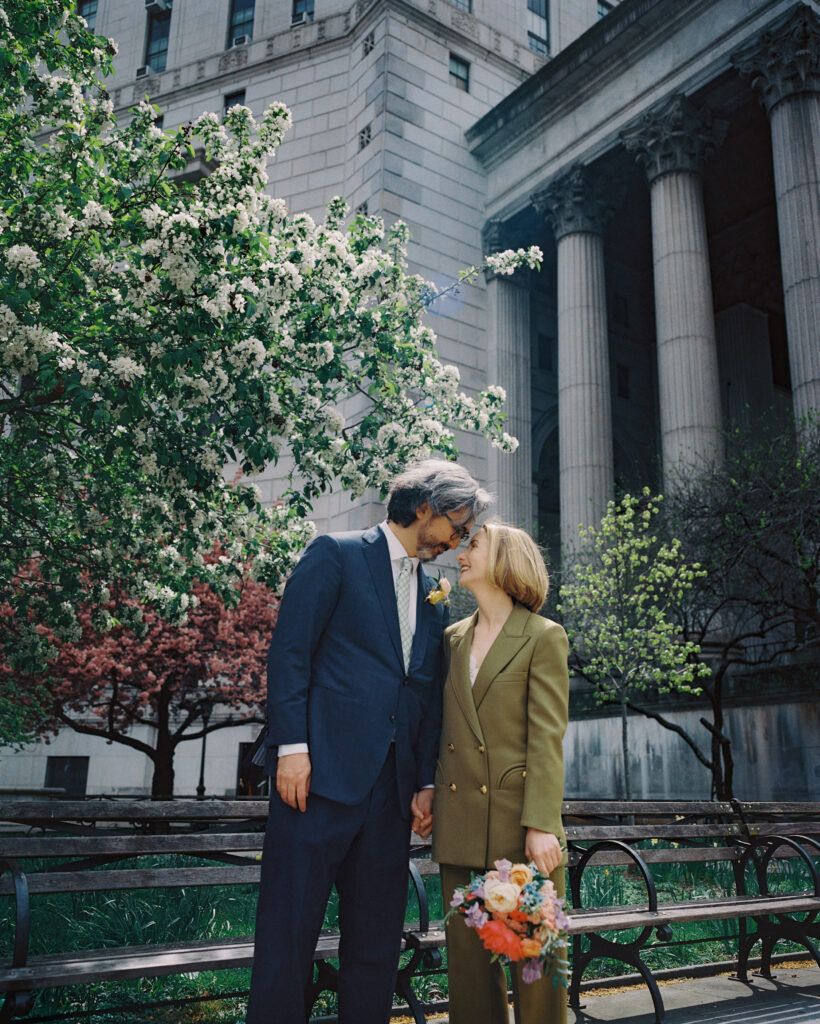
x=512 y=777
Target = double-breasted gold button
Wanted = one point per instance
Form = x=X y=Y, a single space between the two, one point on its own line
x=481 y=749
x=483 y=789
x=524 y=774
x=450 y=746
x=453 y=786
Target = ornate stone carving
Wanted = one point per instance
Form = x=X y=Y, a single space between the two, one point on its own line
x=785 y=60
x=493 y=236
x=200 y=70
x=466 y=23
x=234 y=58
x=270 y=46
x=674 y=136
x=577 y=201
x=177 y=78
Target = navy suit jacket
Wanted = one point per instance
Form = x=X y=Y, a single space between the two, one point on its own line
x=336 y=678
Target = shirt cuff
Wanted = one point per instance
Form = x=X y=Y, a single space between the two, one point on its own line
x=293 y=748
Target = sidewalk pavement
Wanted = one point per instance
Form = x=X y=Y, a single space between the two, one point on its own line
x=791 y=997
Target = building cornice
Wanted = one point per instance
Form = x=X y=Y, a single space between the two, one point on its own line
x=275 y=52
x=597 y=60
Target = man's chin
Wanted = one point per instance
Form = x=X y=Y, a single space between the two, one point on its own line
x=428 y=554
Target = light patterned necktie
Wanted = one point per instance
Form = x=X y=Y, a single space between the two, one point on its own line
x=403 y=603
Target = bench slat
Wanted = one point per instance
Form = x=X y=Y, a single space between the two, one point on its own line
x=146 y=878
x=597 y=833
x=139 y=845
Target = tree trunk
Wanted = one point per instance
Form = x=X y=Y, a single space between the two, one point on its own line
x=625 y=745
x=162 y=784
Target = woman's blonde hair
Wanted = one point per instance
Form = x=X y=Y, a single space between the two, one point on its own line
x=515 y=563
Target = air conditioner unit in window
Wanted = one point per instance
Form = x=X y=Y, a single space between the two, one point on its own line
x=156 y=6
x=241 y=41
x=303 y=18
x=144 y=71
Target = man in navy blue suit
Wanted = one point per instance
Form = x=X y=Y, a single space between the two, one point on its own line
x=354 y=715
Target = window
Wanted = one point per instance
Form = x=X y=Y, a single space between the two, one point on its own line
x=361 y=209
x=538 y=44
x=538 y=7
x=88 y=10
x=369 y=43
x=67 y=773
x=623 y=381
x=465 y=5
x=364 y=137
x=232 y=99
x=302 y=11
x=156 y=48
x=459 y=73
x=604 y=7
x=241 y=21
x=546 y=353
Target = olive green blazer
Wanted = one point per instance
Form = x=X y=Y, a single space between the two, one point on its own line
x=501 y=766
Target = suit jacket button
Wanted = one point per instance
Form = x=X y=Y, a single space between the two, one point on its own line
x=450 y=746
x=405 y=681
x=481 y=749
x=453 y=786
x=483 y=789
x=524 y=774
x=392 y=718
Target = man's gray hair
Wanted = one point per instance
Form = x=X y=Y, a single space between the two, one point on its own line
x=444 y=486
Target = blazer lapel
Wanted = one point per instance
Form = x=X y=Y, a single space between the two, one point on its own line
x=504 y=648
x=377 y=556
x=461 y=641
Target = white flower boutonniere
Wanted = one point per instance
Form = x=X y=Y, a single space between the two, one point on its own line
x=440 y=592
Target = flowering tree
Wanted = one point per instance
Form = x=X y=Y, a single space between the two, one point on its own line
x=179 y=681
x=619 y=603
x=151 y=332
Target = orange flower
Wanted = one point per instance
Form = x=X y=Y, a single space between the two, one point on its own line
x=530 y=947
x=499 y=939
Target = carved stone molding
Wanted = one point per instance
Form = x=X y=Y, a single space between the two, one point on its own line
x=785 y=60
x=578 y=200
x=674 y=136
x=493 y=237
x=235 y=58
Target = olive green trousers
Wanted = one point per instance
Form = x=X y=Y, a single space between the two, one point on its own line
x=478 y=987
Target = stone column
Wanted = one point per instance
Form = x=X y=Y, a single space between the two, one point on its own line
x=784 y=67
x=671 y=142
x=509 y=477
x=576 y=208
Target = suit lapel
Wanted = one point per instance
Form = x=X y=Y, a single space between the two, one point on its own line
x=377 y=556
x=461 y=641
x=504 y=648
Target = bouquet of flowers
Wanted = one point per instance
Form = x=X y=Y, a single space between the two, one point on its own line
x=517 y=915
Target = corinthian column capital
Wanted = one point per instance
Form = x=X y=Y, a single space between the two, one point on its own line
x=673 y=136
x=576 y=201
x=785 y=60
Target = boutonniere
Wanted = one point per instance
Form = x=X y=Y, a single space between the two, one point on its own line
x=440 y=592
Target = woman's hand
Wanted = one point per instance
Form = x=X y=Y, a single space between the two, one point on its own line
x=543 y=849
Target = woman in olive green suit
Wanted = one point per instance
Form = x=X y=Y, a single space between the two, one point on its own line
x=500 y=777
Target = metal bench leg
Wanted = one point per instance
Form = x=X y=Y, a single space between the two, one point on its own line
x=15 y=1005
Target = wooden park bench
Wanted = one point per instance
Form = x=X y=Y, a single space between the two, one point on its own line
x=88 y=837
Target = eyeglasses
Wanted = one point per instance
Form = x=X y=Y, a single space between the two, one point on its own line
x=461 y=532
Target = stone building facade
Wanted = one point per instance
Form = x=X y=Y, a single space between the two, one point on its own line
x=665 y=155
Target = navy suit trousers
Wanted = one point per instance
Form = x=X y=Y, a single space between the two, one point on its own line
x=363 y=849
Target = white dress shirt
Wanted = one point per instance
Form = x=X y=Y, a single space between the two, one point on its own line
x=397 y=552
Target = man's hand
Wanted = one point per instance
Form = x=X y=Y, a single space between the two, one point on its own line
x=543 y=849
x=422 y=808
x=293 y=780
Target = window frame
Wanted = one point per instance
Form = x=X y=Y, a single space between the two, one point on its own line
x=455 y=78
x=237 y=27
x=154 y=19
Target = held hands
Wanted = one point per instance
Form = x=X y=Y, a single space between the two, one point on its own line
x=422 y=808
x=293 y=780
x=543 y=849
